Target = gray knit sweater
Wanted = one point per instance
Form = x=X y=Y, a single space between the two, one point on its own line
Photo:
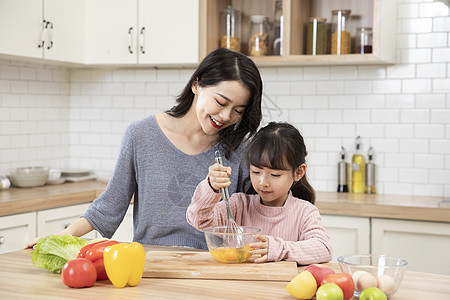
x=163 y=180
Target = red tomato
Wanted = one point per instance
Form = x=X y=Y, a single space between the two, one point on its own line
x=344 y=281
x=78 y=273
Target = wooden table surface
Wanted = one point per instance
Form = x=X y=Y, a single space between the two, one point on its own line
x=20 y=279
x=21 y=200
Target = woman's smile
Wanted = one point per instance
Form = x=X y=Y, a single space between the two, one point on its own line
x=215 y=123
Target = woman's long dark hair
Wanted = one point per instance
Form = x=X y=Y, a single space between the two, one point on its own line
x=226 y=65
x=280 y=146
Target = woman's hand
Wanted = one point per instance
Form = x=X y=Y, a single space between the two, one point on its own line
x=79 y=228
x=31 y=243
x=218 y=176
x=261 y=247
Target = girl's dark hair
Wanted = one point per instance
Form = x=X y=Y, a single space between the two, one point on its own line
x=280 y=146
x=226 y=65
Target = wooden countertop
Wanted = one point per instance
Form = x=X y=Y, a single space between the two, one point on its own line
x=20 y=200
x=20 y=279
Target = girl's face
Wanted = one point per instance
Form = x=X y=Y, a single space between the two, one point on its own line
x=220 y=106
x=273 y=185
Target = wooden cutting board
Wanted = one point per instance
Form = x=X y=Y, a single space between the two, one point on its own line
x=201 y=265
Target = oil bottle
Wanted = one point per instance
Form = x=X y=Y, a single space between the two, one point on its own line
x=342 y=173
x=370 y=173
x=358 y=169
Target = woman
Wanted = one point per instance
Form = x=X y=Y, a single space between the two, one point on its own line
x=164 y=156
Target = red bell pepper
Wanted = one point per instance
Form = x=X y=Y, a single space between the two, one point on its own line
x=83 y=251
x=95 y=254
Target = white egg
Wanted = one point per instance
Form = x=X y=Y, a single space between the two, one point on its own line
x=386 y=283
x=357 y=274
x=366 y=281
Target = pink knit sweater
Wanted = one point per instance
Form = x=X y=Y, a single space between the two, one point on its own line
x=294 y=230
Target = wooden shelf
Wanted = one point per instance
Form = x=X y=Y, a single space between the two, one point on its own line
x=378 y=14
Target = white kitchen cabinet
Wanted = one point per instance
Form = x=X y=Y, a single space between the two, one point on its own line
x=16 y=230
x=425 y=245
x=348 y=235
x=24 y=24
x=51 y=221
x=125 y=231
x=149 y=32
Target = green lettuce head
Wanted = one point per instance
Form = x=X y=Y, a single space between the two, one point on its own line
x=53 y=251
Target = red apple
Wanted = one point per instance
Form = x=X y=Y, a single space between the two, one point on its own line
x=319 y=272
x=344 y=281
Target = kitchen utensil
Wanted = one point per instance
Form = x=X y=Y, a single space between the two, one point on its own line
x=28 y=176
x=231 y=227
x=388 y=271
x=228 y=248
x=200 y=265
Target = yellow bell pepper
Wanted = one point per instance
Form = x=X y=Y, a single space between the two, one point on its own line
x=124 y=263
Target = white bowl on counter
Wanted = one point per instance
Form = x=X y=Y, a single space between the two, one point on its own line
x=28 y=176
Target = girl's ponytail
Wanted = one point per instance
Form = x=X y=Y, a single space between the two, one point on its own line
x=303 y=190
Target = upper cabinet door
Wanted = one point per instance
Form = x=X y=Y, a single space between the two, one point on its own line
x=65 y=31
x=50 y=29
x=168 y=32
x=111 y=27
x=21 y=27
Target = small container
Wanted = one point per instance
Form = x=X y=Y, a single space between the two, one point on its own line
x=230 y=29
x=341 y=38
x=370 y=174
x=358 y=169
x=342 y=173
x=316 y=36
x=4 y=183
x=363 y=40
x=258 y=42
x=277 y=35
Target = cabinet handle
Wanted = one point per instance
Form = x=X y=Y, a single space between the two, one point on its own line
x=43 y=34
x=142 y=40
x=50 y=35
x=130 y=40
x=2 y=240
x=66 y=225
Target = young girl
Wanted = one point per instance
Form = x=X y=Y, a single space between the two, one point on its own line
x=283 y=207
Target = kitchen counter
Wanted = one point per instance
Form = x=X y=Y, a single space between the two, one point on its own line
x=20 y=200
x=19 y=279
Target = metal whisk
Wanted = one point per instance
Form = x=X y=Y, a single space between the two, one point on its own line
x=231 y=227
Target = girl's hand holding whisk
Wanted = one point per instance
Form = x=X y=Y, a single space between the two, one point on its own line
x=218 y=176
x=261 y=247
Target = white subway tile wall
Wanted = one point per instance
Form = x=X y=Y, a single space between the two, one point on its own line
x=75 y=118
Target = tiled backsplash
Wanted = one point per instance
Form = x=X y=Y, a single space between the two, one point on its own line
x=75 y=118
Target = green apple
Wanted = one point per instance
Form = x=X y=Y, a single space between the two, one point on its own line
x=303 y=286
x=372 y=293
x=329 y=291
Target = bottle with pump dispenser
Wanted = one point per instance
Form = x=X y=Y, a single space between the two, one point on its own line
x=358 y=169
x=370 y=174
x=342 y=173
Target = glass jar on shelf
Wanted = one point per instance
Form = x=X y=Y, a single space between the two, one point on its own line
x=363 y=40
x=277 y=35
x=258 y=41
x=230 y=29
x=341 y=38
x=316 y=37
